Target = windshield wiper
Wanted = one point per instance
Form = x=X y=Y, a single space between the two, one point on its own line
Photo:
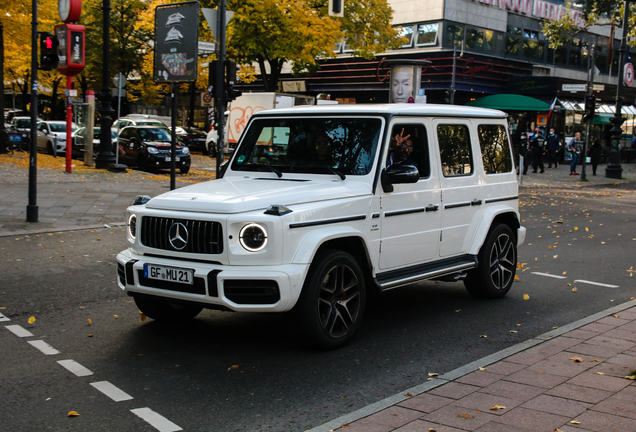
x=274 y=170
x=336 y=172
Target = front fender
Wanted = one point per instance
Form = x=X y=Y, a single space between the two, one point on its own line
x=487 y=218
x=312 y=241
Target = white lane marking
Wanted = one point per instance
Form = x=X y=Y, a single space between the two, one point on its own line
x=4 y=318
x=111 y=391
x=159 y=422
x=550 y=275
x=76 y=368
x=44 y=347
x=596 y=283
x=19 y=331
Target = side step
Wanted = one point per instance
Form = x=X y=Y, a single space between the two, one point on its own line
x=439 y=269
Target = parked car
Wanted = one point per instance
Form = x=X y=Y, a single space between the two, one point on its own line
x=320 y=205
x=149 y=148
x=22 y=125
x=136 y=121
x=96 y=139
x=53 y=133
x=192 y=137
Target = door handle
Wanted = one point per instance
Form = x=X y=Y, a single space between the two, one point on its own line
x=475 y=202
x=431 y=208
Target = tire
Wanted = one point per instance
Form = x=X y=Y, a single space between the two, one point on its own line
x=166 y=311
x=212 y=150
x=49 y=148
x=332 y=302
x=184 y=170
x=497 y=266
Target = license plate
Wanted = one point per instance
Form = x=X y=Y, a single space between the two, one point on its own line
x=168 y=159
x=170 y=274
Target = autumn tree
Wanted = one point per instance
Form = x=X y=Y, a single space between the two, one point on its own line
x=273 y=32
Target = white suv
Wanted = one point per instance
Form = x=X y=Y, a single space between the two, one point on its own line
x=320 y=205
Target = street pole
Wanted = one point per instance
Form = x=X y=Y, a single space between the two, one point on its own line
x=173 y=146
x=614 y=169
x=69 y=123
x=590 y=88
x=105 y=157
x=32 y=206
x=219 y=103
x=452 y=95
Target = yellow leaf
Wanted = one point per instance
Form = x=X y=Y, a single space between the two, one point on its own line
x=409 y=395
x=31 y=320
x=514 y=331
x=575 y=422
x=142 y=316
x=564 y=273
x=577 y=359
x=616 y=316
x=576 y=228
x=526 y=297
x=432 y=374
x=574 y=289
x=482 y=368
x=457 y=310
x=519 y=265
x=432 y=430
x=89 y=321
x=631 y=377
x=233 y=367
x=72 y=414
x=587 y=229
x=600 y=373
x=497 y=407
x=483 y=336
x=554 y=256
x=516 y=277
x=116 y=316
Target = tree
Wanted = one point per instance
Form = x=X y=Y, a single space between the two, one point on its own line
x=273 y=32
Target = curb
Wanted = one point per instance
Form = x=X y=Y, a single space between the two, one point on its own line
x=62 y=229
x=465 y=370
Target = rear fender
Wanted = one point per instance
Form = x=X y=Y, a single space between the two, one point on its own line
x=495 y=214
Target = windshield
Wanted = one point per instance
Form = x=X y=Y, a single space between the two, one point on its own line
x=154 y=134
x=149 y=123
x=61 y=127
x=310 y=145
x=23 y=123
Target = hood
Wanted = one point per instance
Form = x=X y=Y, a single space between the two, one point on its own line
x=237 y=194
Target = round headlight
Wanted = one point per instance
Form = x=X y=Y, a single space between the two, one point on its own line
x=132 y=226
x=253 y=237
x=152 y=150
x=185 y=150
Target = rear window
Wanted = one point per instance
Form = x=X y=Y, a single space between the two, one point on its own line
x=495 y=150
x=454 y=150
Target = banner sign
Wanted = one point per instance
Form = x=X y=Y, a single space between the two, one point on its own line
x=538 y=9
x=176 y=47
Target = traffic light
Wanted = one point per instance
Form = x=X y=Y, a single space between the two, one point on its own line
x=230 y=77
x=336 y=8
x=212 y=78
x=590 y=106
x=48 y=51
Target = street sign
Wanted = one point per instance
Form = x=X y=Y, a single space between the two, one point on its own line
x=120 y=80
x=629 y=74
x=210 y=17
x=574 y=87
x=119 y=92
x=206 y=47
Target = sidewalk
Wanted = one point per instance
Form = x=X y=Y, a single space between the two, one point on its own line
x=560 y=177
x=570 y=379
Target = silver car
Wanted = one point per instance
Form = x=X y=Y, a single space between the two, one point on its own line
x=52 y=136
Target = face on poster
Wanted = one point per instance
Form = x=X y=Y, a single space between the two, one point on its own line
x=401 y=84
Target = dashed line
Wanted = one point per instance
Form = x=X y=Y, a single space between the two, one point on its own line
x=550 y=275
x=159 y=422
x=19 y=331
x=75 y=368
x=3 y=318
x=44 y=347
x=111 y=391
x=596 y=283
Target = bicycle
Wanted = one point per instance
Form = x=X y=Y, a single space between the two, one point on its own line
x=16 y=143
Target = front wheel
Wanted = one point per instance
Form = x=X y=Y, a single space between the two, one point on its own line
x=212 y=149
x=166 y=311
x=331 y=305
x=184 y=170
x=497 y=264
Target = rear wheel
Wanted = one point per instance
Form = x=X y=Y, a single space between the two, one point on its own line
x=497 y=264
x=49 y=148
x=184 y=170
x=167 y=311
x=212 y=149
x=331 y=305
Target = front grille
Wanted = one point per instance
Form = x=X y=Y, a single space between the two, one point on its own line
x=197 y=288
x=121 y=273
x=251 y=291
x=204 y=237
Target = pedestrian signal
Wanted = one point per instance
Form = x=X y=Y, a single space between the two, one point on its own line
x=48 y=51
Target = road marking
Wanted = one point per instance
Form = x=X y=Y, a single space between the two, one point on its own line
x=76 y=368
x=4 y=318
x=111 y=391
x=19 y=331
x=596 y=283
x=550 y=275
x=44 y=347
x=159 y=422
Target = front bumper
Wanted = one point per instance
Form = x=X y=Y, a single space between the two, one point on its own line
x=521 y=235
x=237 y=288
x=160 y=161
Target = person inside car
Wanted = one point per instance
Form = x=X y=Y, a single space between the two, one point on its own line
x=401 y=150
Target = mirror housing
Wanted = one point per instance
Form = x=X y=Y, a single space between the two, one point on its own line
x=398 y=174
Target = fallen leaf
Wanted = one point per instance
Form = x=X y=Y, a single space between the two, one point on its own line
x=600 y=373
x=409 y=395
x=631 y=377
x=72 y=414
x=575 y=422
x=554 y=256
x=90 y=321
x=31 y=320
x=616 y=316
x=116 y=316
x=514 y=331
x=233 y=367
x=482 y=369
x=516 y=277
x=576 y=228
x=432 y=430
x=564 y=273
x=483 y=336
x=497 y=407
x=574 y=289
x=577 y=359
x=142 y=316
x=465 y=416
x=526 y=297
x=457 y=310
x=432 y=374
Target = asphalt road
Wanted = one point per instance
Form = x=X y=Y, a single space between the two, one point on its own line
x=247 y=372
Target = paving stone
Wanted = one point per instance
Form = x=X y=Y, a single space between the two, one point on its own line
x=619 y=406
x=425 y=426
x=597 y=328
x=484 y=402
x=516 y=391
x=620 y=333
x=454 y=390
x=605 y=340
x=623 y=360
x=479 y=378
x=532 y=419
x=597 y=351
x=534 y=354
x=613 y=321
x=537 y=379
x=504 y=368
x=600 y=382
x=579 y=393
x=572 y=428
x=394 y=416
x=603 y=422
x=557 y=405
x=562 y=364
x=365 y=425
x=494 y=426
x=615 y=370
x=426 y=402
x=628 y=393
x=459 y=417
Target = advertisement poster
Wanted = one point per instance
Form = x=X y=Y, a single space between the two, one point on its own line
x=176 y=38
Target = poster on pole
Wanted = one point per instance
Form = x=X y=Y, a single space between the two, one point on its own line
x=176 y=37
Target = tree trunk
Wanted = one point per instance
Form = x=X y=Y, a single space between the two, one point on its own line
x=24 y=89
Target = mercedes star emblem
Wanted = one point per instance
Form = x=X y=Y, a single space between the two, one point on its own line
x=178 y=235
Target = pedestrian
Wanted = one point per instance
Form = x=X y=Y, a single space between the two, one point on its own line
x=574 y=147
x=595 y=154
x=516 y=138
x=526 y=151
x=553 y=145
x=537 y=146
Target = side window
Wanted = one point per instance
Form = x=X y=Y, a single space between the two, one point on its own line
x=413 y=149
x=454 y=149
x=495 y=150
x=125 y=133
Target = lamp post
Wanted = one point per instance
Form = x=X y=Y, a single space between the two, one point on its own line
x=105 y=156
x=588 y=93
x=614 y=169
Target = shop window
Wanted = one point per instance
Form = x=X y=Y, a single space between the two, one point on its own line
x=338 y=47
x=495 y=150
x=533 y=49
x=513 y=45
x=479 y=39
x=531 y=34
x=427 y=34
x=454 y=148
x=406 y=32
x=454 y=35
x=513 y=30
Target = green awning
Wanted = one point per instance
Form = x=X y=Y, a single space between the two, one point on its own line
x=602 y=119
x=510 y=102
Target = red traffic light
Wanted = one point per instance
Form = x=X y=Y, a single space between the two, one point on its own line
x=48 y=42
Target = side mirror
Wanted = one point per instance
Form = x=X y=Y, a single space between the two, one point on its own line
x=398 y=174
